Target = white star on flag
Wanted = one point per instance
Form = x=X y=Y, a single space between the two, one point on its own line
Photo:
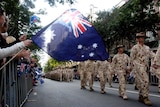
x=95 y=45
x=82 y=56
x=80 y=46
x=91 y=54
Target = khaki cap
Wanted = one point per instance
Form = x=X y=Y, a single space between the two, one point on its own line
x=141 y=34
x=120 y=46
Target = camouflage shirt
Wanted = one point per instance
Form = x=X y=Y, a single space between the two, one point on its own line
x=121 y=61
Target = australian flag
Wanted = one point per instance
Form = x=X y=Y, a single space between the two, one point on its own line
x=71 y=37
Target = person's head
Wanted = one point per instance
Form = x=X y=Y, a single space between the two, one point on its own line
x=120 y=48
x=141 y=37
x=4 y=29
x=2 y=16
x=5 y=26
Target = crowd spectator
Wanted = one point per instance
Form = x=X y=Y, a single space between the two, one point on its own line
x=13 y=49
x=9 y=46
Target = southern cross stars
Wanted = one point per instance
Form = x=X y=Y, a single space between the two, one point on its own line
x=91 y=54
x=94 y=45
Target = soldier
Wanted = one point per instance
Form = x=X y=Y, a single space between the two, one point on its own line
x=102 y=68
x=140 y=55
x=83 y=74
x=90 y=68
x=121 y=62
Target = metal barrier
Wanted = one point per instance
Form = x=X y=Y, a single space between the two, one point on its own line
x=14 y=89
x=153 y=79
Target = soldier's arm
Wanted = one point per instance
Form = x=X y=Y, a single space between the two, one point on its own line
x=132 y=57
x=156 y=58
x=128 y=62
x=114 y=61
x=152 y=55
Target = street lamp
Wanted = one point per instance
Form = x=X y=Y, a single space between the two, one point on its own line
x=92 y=7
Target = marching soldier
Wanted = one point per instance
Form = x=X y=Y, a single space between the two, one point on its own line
x=140 y=55
x=121 y=62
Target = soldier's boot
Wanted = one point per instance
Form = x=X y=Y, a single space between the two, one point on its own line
x=91 y=89
x=83 y=87
x=102 y=91
x=140 y=99
x=146 y=101
x=125 y=97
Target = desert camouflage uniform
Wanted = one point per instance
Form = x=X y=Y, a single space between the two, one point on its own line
x=140 y=62
x=120 y=63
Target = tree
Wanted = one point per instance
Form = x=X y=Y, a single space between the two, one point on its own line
x=51 y=63
x=124 y=22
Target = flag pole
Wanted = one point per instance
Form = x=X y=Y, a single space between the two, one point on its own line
x=10 y=59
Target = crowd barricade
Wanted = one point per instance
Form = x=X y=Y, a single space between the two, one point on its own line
x=14 y=87
x=153 y=79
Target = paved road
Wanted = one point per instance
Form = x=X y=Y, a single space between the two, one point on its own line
x=64 y=94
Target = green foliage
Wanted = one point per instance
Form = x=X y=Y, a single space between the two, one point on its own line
x=12 y=10
x=37 y=58
x=51 y=63
x=124 y=22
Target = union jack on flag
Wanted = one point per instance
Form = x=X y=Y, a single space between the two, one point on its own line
x=71 y=37
x=77 y=21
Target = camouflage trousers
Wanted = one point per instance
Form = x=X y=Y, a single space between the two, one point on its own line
x=83 y=77
x=122 y=82
x=109 y=77
x=90 y=77
x=103 y=79
x=142 y=80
